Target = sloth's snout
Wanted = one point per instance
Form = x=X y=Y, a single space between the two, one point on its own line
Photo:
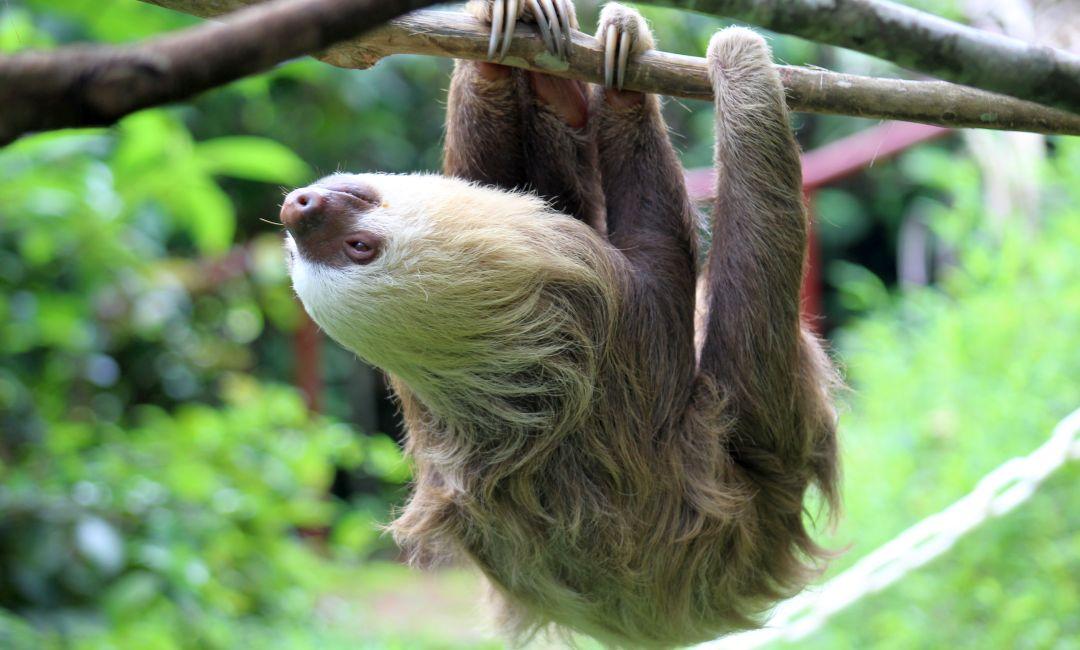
x=303 y=209
x=327 y=222
x=307 y=208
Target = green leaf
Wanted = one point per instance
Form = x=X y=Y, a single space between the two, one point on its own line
x=128 y=597
x=385 y=460
x=18 y=32
x=860 y=289
x=252 y=158
x=148 y=141
x=209 y=214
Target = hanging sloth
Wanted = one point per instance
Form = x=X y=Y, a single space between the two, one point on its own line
x=609 y=469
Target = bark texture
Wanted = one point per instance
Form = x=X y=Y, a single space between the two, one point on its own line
x=459 y=36
x=97 y=85
x=915 y=40
x=88 y=86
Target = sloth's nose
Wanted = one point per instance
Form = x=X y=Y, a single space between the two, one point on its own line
x=303 y=209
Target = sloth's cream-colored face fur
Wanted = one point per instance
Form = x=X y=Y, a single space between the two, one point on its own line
x=451 y=274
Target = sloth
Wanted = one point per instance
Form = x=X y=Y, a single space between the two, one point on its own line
x=620 y=436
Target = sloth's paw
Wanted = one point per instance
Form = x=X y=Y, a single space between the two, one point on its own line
x=554 y=20
x=738 y=52
x=623 y=33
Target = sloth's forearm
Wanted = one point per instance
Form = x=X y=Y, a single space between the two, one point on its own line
x=649 y=211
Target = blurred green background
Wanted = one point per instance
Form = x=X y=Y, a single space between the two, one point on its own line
x=164 y=485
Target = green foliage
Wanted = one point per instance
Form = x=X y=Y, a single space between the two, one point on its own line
x=948 y=383
x=187 y=514
x=130 y=514
x=153 y=491
x=156 y=161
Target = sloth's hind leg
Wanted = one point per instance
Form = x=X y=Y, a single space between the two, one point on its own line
x=484 y=113
x=525 y=130
x=560 y=149
x=650 y=217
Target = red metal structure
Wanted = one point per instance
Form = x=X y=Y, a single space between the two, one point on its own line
x=308 y=361
x=822 y=166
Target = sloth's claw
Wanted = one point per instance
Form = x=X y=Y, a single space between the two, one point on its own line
x=609 y=56
x=624 y=54
x=624 y=33
x=512 y=7
x=543 y=25
x=503 y=16
x=565 y=17
x=547 y=21
x=554 y=20
x=497 y=12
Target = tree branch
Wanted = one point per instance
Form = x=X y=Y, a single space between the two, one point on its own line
x=917 y=41
x=457 y=35
x=89 y=86
x=95 y=86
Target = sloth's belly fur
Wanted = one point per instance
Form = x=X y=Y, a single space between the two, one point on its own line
x=678 y=548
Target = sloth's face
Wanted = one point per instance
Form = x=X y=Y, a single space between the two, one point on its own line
x=424 y=266
x=353 y=224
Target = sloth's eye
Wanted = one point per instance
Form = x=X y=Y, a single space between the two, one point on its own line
x=362 y=247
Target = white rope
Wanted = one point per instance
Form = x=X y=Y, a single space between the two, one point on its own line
x=997 y=493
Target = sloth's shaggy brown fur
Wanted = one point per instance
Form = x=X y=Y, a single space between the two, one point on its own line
x=605 y=473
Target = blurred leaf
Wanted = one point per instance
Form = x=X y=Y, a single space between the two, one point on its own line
x=129 y=597
x=209 y=212
x=156 y=160
x=18 y=31
x=860 y=290
x=115 y=21
x=838 y=218
x=384 y=459
x=355 y=532
x=17 y=634
x=252 y=158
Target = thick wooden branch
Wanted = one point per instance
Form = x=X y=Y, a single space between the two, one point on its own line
x=915 y=40
x=97 y=85
x=89 y=86
x=457 y=35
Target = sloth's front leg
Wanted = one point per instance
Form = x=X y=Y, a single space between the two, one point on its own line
x=484 y=128
x=772 y=370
